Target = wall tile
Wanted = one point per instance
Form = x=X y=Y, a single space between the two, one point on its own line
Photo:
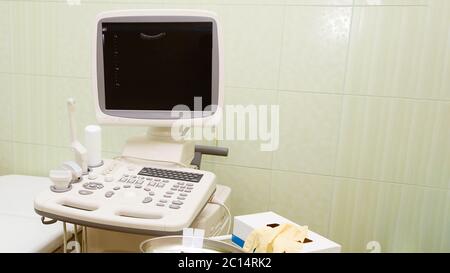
x=247 y=152
x=6 y=158
x=392 y=2
x=304 y=199
x=400 y=52
x=5 y=41
x=40 y=109
x=251 y=44
x=115 y=137
x=395 y=140
x=227 y=2
x=320 y=2
x=5 y=106
x=32 y=159
x=61 y=36
x=249 y=187
x=309 y=125
x=314 y=48
x=401 y=218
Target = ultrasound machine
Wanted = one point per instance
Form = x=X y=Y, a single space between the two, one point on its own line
x=162 y=69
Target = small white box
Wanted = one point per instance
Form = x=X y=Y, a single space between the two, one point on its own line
x=245 y=224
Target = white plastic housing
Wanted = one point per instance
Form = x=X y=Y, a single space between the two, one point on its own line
x=210 y=120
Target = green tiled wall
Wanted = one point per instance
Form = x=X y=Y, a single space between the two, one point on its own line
x=364 y=94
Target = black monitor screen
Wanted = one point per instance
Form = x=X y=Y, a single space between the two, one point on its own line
x=155 y=66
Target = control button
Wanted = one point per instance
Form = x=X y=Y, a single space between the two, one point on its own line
x=147 y=200
x=133 y=176
x=183 y=194
x=169 y=192
x=109 y=178
x=175 y=186
x=138 y=186
x=174 y=206
x=187 y=191
x=99 y=186
x=126 y=175
x=140 y=182
x=157 y=179
x=131 y=180
x=149 y=179
x=92 y=176
x=108 y=194
x=85 y=192
x=151 y=193
x=160 y=185
x=151 y=183
x=126 y=186
x=160 y=204
x=180 y=190
x=173 y=189
x=189 y=184
x=163 y=201
x=180 y=183
x=165 y=181
x=180 y=198
x=123 y=179
x=167 y=196
x=190 y=188
x=116 y=188
x=147 y=189
x=176 y=202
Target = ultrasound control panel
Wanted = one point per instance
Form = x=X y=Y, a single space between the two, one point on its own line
x=130 y=197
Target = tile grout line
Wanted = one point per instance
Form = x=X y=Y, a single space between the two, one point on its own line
x=343 y=94
x=341 y=118
x=280 y=56
x=358 y=179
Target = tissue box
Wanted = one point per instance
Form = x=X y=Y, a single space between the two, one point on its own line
x=245 y=224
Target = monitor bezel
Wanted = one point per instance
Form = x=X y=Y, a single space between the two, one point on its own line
x=162 y=115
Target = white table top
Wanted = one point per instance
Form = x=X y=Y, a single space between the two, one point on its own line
x=21 y=229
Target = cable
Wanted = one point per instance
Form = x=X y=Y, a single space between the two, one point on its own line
x=227 y=220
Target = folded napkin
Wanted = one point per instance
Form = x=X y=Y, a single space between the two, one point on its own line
x=284 y=238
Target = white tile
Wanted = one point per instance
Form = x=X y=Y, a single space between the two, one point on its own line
x=5 y=106
x=304 y=199
x=314 y=48
x=309 y=125
x=6 y=158
x=40 y=109
x=400 y=52
x=38 y=160
x=320 y=2
x=395 y=140
x=5 y=41
x=400 y=218
x=247 y=152
x=252 y=39
x=392 y=2
x=60 y=35
x=249 y=187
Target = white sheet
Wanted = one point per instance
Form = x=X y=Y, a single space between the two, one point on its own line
x=21 y=229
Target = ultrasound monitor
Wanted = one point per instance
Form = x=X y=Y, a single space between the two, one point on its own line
x=149 y=61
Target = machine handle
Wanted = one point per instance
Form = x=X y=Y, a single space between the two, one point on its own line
x=201 y=150
x=49 y=222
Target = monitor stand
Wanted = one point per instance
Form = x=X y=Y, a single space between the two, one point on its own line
x=158 y=145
